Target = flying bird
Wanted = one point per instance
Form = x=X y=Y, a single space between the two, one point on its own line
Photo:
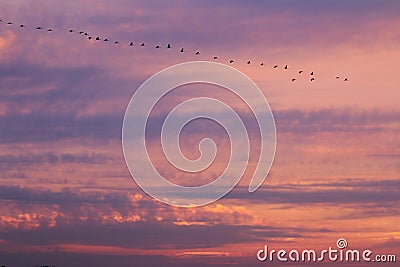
x=248 y=62
x=231 y=61
x=131 y=44
x=197 y=53
x=105 y=40
x=90 y=37
x=97 y=38
x=71 y=30
x=86 y=34
x=182 y=50
x=300 y=71
x=337 y=77
x=49 y=30
x=312 y=79
x=39 y=28
x=9 y=23
x=116 y=42
x=157 y=46
x=81 y=32
x=312 y=73
x=293 y=79
x=168 y=46
x=215 y=57
x=275 y=66
x=286 y=67
x=345 y=79
x=262 y=64
x=22 y=26
x=142 y=44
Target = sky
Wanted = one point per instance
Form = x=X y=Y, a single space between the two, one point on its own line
x=67 y=196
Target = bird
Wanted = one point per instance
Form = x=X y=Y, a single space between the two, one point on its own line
x=215 y=57
x=71 y=30
x=157 y=46
x=81 y=32
x=49 y=30
x=168 y=46
x=312 y=79
x=275 y=66
x=337 y=77
x=105 y=40
x=182 y=50
x=131 y=44
x=142 y=44
x=22 y=26
x=116 y=42
x=262 y=64
x=300 y=71
x=86 y=34
x=231 y=61
x=286 y=67
x=248 y=62
x=97 y=38
x=39 y=28
x=90 y=37
x=9 y=23
x=312 y=73
x=293 y=79
x=197 y=53
x=345 y=79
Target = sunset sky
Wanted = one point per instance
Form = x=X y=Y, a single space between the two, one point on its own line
x=67 y=197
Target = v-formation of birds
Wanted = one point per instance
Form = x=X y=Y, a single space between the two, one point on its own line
x=167 y=46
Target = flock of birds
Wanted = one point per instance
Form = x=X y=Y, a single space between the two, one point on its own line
x=167 y=46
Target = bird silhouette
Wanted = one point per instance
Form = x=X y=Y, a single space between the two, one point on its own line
x=168 y=46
